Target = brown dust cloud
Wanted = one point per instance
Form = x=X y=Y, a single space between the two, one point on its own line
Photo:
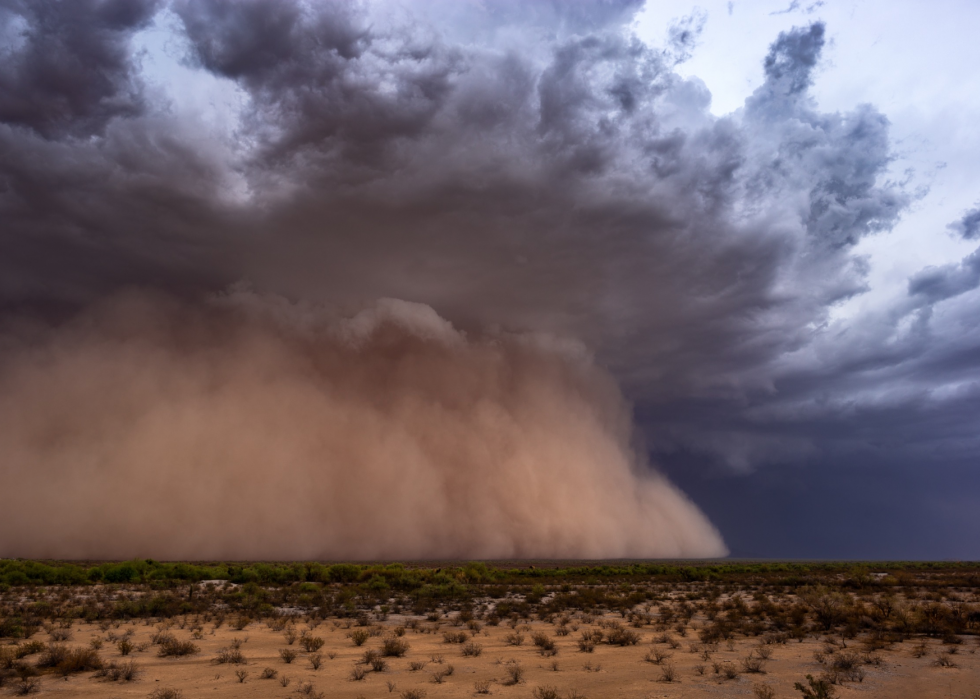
x=251 y=427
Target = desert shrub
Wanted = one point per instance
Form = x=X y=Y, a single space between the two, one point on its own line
x=619 y=636
x=314 y=643
x=544 y=643
x=442 y=674
x=290 y=636
x=764 y=691
x=413 y=694
x=472 y=650
x=269 y=673
x=872 y=659
x=28 y=685
x=53 y=654
x=841 y=676
x=80 y=660
x=241 y=622
x=277 y=623
x=515 y=675
x=588 y=640
x=316 y=659
x=241 y=675
x=29 y=648
x=284 y=681
x=172 y=648
x=288 y=655
x=482 y=686
x=23 y=670
x=815 y=689
x=359 y=636
x=308 y=690
x=845 y=660
x=514 y=639
x=667 y=673
x=158 y=638
x=699 y=669
x=229 y=656
x=69 y=660
x=753 y=664
x=394 y=647
x=416 y=665
x=656 y=656
x=60 y=635
x=545 y=692
x=125 y=646
x=945 y=659
x=844 y=667
x=127 y=671
x=166 y=693
x=455 y=637
x=357 y=673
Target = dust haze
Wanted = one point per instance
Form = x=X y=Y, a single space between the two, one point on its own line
x=251 y=427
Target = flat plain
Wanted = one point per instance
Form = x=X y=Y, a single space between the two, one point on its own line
x=643 y=630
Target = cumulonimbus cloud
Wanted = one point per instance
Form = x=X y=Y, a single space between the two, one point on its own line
x=249 y=427
x=528 y=165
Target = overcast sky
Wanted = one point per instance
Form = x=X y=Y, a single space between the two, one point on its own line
x=762 y=217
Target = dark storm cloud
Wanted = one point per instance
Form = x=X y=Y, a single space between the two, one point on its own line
x=580 y=186
x=67 y=68
x=584 y=189
x=969 y=225
x=519 y=165
x=938 y=283
x=792 y=58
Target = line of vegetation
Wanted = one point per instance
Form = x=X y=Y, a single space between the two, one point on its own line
x=400 y=576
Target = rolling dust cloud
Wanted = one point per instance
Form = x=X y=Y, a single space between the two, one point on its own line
x=251 y=427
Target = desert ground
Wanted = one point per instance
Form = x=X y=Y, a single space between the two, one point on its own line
x=679 y=639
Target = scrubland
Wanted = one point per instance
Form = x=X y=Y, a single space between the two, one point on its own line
x=543 y=631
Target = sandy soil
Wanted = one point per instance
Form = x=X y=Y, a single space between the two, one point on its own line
x=609 y=671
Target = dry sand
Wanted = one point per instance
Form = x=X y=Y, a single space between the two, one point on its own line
x=610 y=671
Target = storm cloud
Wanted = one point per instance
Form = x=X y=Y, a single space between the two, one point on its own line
x=514 y=166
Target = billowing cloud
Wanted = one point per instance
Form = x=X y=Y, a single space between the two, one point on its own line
x=67 y=68
x=254 y=428
x=969 y=225
x=514 y=166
